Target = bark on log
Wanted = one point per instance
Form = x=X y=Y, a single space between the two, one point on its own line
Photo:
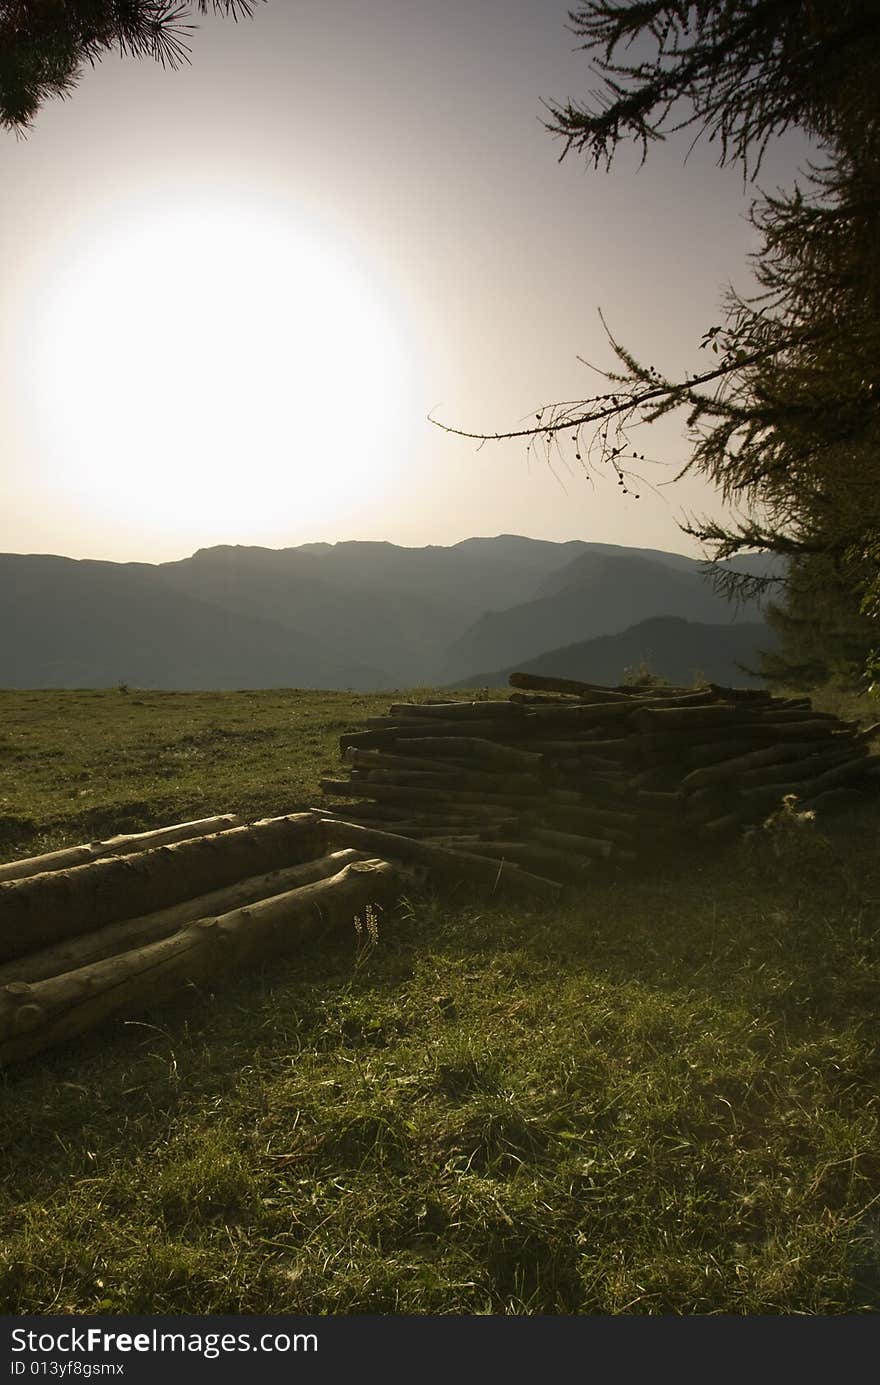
x=748 y=735
x=394 y=793
x=417 y=727
x=117 y=846
x=457 y=711
x=657 y=800
x=51 y=1011
x=121 y=937
x=667 y=698
x=455 y=865
x=387 y=760
x=536 y=682
x=810 y=788
x=578 y=844
x=806 y=768
x=451 y=779
x=754 y=759
x=616 y=751
x=467 y=748
x=589 y=819
x=757 y=695
x=580 y=715
x=45 y=909
x=460 y=763
x=553 y=864
x=664 y=719
x=431 y=827
x=525 y=699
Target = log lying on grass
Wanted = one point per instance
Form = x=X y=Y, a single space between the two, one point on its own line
x=32 y=1017
x=536 y=682
x=612 y=769
x=44 y=909
x=503 y=878
x=117 y=846
x=121 y=937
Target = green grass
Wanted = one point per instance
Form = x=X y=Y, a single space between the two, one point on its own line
x=80 y=765
x=661 y=1099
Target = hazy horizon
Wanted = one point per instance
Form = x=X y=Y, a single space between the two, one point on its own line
x=232 y=294
x=306 y=543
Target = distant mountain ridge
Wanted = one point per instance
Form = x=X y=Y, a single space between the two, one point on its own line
x=678 y=651
x=350 y=614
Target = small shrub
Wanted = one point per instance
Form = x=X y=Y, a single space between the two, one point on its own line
x=643 y=675
x=790 y=842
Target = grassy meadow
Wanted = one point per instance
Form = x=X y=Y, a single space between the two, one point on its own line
x=661 y=1098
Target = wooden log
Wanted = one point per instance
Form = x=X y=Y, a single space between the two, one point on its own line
x=664 y=719
x=32 y=1017
x=395 y=793
x=669 y=699
x=724 y=694
x=45 y=909
x=498 y=877
x=806 y=768
x=538 y=682
x=577 y=715
x=810 y=788
x=553 y=864
x=489 y=769
x=776 y=715
x=664 y=777
x=748 y=735
x=426 y=831
x=116 y=846
x=386 y=759
x=456 y=711
x=753 y=759
x=378 y=812
x=466 y=817
x=578 y=845
x=465 y=839
x=472 y=748
x=617 y=750
x=600 y=787
x=450 y=779
x=705 y=756
x=498 y=729
x=578 y=752
x=426 y=828
x=589 y=817
x=368 y=740
x=659 y=801
x=120 y=937
x=524 y=699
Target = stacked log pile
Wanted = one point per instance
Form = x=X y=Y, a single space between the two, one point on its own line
x=563 y=775
x=116 y=926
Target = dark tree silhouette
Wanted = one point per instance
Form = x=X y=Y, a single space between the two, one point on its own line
x=46 y=44
x=786 y=422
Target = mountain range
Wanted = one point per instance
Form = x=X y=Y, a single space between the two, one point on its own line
x=363 y=615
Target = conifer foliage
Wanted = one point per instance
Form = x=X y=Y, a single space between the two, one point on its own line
x=46 y=44
x=786 y=418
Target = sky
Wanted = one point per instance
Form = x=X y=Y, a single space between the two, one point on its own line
x=231 y=295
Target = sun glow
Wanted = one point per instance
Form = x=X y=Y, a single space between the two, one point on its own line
x=224 y=372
